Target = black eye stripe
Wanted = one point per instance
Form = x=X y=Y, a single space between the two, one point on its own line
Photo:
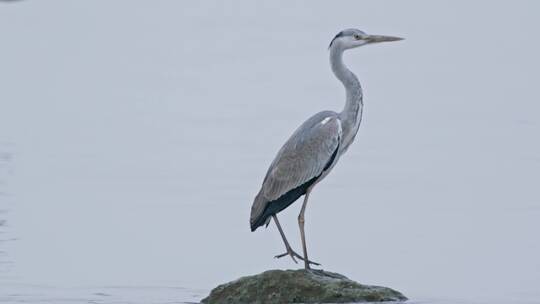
x=340 y=34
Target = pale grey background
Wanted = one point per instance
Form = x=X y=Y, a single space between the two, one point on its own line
x=136 y=133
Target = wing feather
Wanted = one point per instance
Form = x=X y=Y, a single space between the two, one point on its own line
x=303 y=157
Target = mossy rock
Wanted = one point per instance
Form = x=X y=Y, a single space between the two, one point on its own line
x=298 y=286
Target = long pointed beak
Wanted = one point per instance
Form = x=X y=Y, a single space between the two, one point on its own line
x=380 y=38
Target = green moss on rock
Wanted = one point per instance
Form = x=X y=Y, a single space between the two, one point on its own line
x=298 y=286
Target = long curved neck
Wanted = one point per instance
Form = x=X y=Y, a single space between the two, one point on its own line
x=352 y=112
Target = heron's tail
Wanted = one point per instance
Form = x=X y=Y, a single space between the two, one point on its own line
x=257 y=212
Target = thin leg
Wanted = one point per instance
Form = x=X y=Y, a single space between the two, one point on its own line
x=301 y=224
x=289 y=252
x=287 y=246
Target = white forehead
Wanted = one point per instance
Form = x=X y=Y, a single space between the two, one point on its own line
x=350 y=32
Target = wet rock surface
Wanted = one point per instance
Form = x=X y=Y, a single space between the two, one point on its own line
x=299 y=286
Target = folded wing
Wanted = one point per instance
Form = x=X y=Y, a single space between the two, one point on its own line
x=311 y=150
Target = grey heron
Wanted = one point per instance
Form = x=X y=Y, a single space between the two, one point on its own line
x=314 y=148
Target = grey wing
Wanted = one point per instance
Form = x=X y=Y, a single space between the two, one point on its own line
x=304 y=156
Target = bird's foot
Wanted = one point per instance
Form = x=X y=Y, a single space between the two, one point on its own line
x=294 y=255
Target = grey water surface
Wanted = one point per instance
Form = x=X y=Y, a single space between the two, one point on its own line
x=135 y=134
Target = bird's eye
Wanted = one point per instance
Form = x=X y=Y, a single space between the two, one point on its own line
x=357 y=37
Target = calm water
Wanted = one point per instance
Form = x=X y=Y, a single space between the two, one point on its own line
x=148 y=295
x=20 y=288
x=134 y=135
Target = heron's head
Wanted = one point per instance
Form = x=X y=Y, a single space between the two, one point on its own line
x=352 y=38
